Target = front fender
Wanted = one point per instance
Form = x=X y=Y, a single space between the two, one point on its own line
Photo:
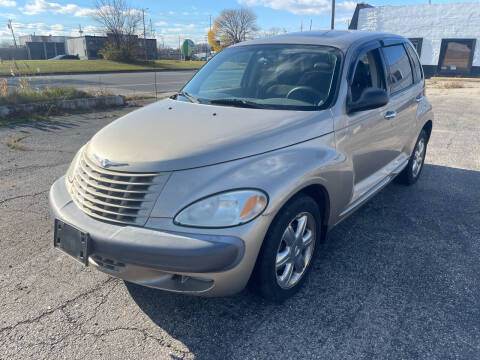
x=281 y=174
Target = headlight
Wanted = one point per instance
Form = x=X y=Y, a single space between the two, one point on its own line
x=73 y=165
x=223 y=210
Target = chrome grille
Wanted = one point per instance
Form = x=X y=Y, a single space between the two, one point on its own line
x=120 y=197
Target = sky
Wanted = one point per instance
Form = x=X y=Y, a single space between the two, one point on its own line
x=174 y=21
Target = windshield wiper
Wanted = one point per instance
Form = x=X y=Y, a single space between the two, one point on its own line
x=192 y=98
x=237 y=103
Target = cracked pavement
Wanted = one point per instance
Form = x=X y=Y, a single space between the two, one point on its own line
x=399 y=279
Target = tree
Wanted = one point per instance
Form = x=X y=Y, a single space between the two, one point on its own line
x=121 y=23
x=272 y=32
x=233 y=26
x=214 y=43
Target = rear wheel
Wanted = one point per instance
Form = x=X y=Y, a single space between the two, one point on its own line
x=412 y=171
x=288 y=249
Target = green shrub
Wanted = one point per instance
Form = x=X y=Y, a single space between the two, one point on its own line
x=121 y=54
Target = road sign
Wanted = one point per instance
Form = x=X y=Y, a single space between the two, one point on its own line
x=187 y=48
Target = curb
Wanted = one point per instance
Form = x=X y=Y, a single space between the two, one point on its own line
x=73 y=104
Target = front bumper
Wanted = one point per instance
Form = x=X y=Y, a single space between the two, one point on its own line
x=181 y=262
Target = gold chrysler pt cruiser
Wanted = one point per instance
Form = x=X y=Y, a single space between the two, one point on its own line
x=238 y=177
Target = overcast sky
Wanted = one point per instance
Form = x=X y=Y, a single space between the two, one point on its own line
x=172 y=20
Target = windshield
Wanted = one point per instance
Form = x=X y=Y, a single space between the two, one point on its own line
x=299 y=77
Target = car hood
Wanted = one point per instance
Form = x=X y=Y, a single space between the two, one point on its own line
x=174 y=135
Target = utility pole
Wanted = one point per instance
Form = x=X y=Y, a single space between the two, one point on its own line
x=80 y=31
x=11 y=29
x=332 y=24
x=310 y=24
x=210 y=22
x=144 y=35
x=301 y=26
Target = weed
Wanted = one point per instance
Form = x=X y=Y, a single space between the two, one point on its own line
x=14 y=143
x=451 y=85
x=26 y=95
x=107 y=116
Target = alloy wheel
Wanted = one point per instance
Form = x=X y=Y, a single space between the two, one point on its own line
x=418 y=157
x=295 y=250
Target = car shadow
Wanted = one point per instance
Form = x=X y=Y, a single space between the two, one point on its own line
x=399 y=275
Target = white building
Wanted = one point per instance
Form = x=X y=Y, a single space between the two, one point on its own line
x=445 y=35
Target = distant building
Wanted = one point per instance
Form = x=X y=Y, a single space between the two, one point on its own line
x=40 y=47
x=445 y=35
x=22 y=40
x=88 y=47
x=13 y=53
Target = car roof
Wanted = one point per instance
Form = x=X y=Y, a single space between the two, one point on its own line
x=341 y=39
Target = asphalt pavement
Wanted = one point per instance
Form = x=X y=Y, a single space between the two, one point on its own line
x=399 y=279
x=116 y=83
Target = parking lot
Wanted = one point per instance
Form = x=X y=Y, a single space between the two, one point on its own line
x=399 y=279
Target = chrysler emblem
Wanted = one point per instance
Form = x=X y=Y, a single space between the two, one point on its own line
x=105 y=163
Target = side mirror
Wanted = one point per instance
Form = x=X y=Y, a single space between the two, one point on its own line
x=371 y=98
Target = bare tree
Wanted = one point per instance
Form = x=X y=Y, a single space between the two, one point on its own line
x=235 y=25
x=272 y=32
x=120 y=21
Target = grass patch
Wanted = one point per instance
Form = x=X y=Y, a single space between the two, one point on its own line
x=451 y=85
x=139 y=97
x=78 y=66
x=48 y=94
x=45 y=99
x=14 y=143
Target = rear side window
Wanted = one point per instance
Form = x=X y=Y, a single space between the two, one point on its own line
x=400 y=72
x=417 y=67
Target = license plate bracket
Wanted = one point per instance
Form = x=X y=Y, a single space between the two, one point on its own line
x=72 y=241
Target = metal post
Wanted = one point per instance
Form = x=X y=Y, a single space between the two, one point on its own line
x=332 y=25
x=155 y=72
x=144 y=35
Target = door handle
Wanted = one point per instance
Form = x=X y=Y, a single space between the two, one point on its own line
x=419 y=98
x=390 y=115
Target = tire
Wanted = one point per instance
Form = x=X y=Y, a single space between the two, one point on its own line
x=284 y=251
x=413 y=170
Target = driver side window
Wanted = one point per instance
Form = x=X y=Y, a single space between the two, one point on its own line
x=368 y=74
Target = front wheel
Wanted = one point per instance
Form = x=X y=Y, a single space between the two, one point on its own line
x=412 y=171
x=288 y=249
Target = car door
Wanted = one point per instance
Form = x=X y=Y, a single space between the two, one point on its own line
x=367 y=135
x=369 y=141
x=401 y=109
